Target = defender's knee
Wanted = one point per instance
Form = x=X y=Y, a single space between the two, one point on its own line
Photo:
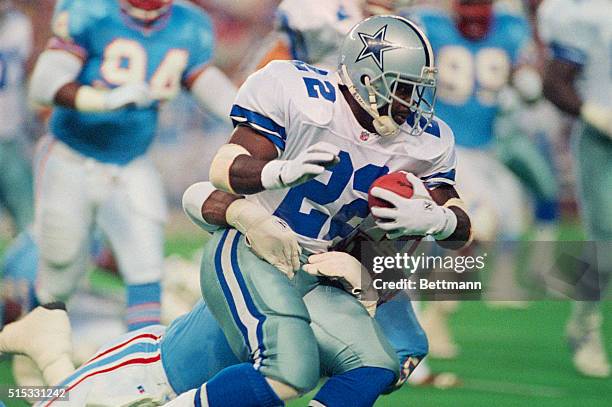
x=59 y=247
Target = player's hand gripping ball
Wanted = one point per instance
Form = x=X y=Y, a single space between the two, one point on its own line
x=396 y=182
x=402 y=213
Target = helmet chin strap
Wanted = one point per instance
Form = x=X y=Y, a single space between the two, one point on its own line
x=385 y=126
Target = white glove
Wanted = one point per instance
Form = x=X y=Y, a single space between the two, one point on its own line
x=341 y=266
x=135 y=94
x=310 y=163
x=598 y=116
x=349 y=272
x=269 y=237
x=410 y=217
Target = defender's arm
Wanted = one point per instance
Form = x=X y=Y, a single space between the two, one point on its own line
x=270 y=237
x=54 y=81
x=560 y=88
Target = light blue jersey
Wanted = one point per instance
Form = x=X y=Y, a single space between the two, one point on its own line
x=194 y=349
x=116 y=51
x=471 y=73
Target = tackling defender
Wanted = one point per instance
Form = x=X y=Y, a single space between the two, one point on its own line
x=132 y=359
x=307 y=145
x=578 y=80
x=106 y=70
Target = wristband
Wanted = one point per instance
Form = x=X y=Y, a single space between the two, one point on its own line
x=242 y=215
x=456 y=202
x=450 y=224
x=271 y=175
x=89 y=99
x=193 y=199
x=220 y=167
x=596 y=115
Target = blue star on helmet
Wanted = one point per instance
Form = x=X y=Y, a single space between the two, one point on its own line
x=374 y=46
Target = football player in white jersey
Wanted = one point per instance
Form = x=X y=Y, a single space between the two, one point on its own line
x=15 y=168
x=307 y=145
x=578 y=80
x=313 y=32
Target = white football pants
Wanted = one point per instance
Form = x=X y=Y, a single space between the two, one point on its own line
x=72 y=194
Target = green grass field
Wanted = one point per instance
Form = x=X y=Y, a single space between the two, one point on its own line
x=508 y=358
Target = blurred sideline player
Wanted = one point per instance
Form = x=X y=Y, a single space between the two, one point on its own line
x=578 y=80
x=195 y=336
x=106 y=86
x=478 y=51
x=313 y=32
x=16 y=175
x=306 y=147
x=15 y=168
x=527 y=132
x=16 y=193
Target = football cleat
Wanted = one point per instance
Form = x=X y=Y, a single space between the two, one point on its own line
x=146 y=11
x=434 y=321
x=589 y=353
x=44 y=336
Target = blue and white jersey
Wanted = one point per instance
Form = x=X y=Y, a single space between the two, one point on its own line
x=316 y=28
x=15 y=49
x=471 y=73
x=117 y=51
x=194 y=349
x=295 y=106
x=589 y=44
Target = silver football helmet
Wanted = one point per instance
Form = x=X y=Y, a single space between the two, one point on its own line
x=381 y=55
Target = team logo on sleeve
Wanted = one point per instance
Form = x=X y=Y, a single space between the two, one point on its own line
x=374 y=46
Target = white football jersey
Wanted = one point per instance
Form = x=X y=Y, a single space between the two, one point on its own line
x=580 y=32
x=316 y=28
x=295 y=106
x=15 y=48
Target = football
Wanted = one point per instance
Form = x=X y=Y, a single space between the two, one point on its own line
x=396 y=182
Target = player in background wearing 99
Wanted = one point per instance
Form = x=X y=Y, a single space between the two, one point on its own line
x=479 y=51
x=578 y=80
x=106 y=70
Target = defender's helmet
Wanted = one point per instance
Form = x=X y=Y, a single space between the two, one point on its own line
x=146 y=10
x=382 y=56
x=473 y=17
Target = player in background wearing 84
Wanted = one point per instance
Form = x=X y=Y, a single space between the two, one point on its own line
x=106 y=70
x=294 y=152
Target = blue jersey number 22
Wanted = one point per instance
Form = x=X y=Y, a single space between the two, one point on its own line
x=310 y=224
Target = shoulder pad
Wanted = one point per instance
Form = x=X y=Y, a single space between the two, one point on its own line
x=303 y=85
